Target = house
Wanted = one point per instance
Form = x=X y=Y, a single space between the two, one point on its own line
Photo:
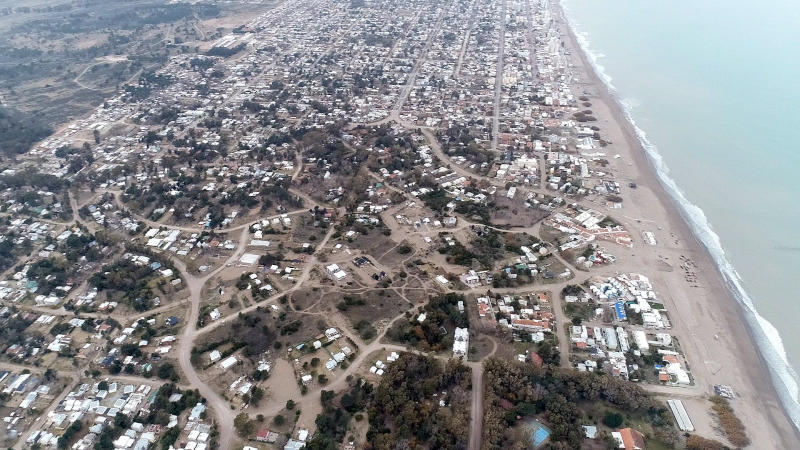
x=460 y=342
x=530 y=325
x=300 y=442
x=291 y=444
x=197 y=411
x=629 y=439
x=264 y=435
x=228 y=362
x=483 y=306
x=215 y=314
x=214 y=356
x=335 y=272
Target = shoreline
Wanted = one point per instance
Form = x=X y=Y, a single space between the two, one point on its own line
x=754 y=404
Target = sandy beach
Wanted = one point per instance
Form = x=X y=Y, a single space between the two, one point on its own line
x=706 y=317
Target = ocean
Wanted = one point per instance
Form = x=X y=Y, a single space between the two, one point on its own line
x=713 y=88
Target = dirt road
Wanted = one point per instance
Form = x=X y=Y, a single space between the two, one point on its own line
x=476 y=413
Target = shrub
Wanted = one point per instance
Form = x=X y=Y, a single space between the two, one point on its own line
x=695 y=442
x=733 y=427
x=244 y=426
x=612 y=419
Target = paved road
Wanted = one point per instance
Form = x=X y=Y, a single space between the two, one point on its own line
x=529 y=36
x=465 y=41
x=498 y=77
x=404 y=93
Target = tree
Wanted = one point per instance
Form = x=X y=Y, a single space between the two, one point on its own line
x=167 y=371
x=326 y=396
x=548 y=353
x=290 y=404
x=558 y=392
x=66 y=439
x=612 y=419
x=279 y=420
x=121 y=421
x=404 y=398
x=256 y=395
x=244 y=426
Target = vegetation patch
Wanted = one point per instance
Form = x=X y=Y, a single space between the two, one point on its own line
x=695 y=442
x=432 y=330
x=421 y=402
x=516 y=391
x=18 y=132
x=337 y=411
x=731 y=425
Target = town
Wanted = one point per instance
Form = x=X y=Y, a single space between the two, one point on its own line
x=332 y=209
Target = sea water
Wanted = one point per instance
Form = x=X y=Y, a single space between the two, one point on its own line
x=713 y=87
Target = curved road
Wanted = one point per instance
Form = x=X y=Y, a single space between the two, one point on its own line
x=190 y=332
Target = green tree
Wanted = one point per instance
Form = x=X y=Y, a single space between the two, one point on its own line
x=244 y=426
x=612 y=419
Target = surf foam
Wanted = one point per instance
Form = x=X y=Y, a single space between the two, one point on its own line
x=768 y=339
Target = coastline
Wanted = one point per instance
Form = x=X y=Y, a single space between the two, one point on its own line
x=709 y=322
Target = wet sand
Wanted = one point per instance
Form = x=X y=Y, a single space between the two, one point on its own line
x=706 y=317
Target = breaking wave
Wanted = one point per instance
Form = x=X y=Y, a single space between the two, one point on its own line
x=767 y=337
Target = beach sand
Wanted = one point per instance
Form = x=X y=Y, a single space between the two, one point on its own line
x=707 y=320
